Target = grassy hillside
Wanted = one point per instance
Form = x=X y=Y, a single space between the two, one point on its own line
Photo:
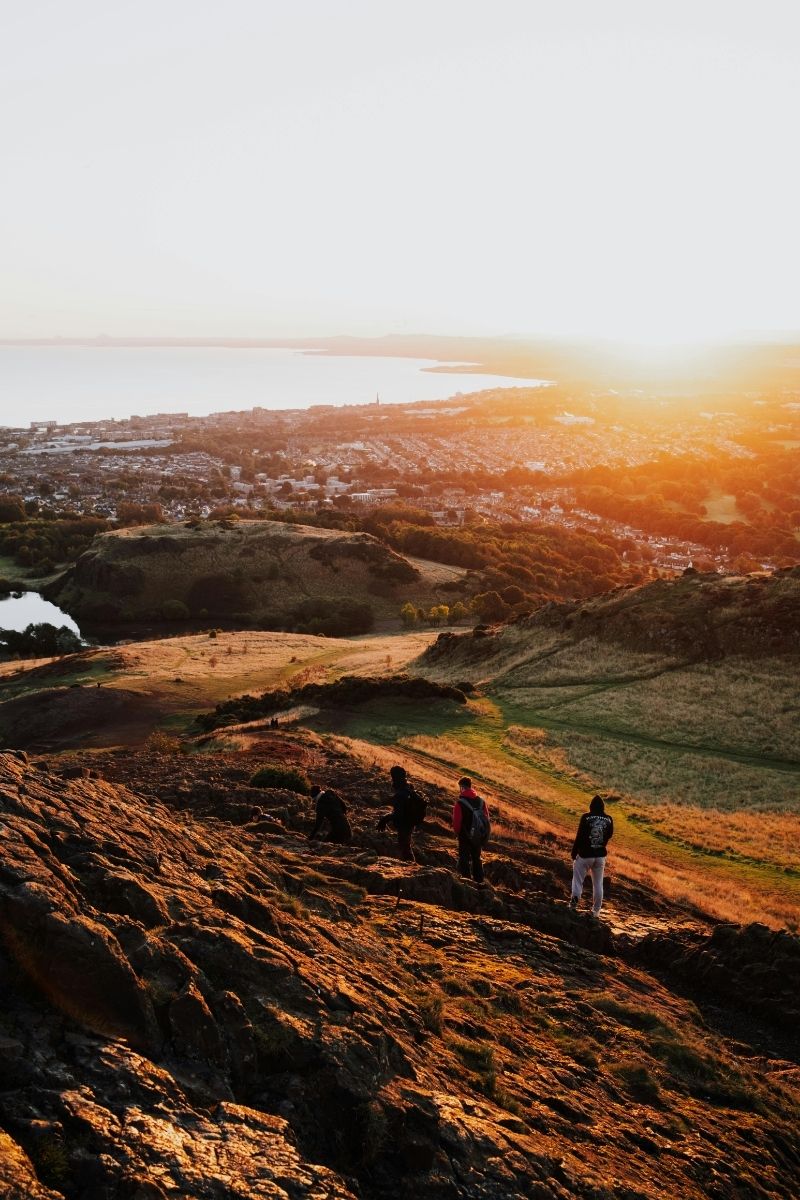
x=701 y=755
x=263 y=572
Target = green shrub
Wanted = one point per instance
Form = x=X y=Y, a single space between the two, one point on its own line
x=281 y=777
x=174 y=610
x=638 y=1081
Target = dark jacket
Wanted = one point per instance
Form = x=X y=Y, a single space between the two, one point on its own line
x=595 y=831
x=400 y=816
x=332 y=808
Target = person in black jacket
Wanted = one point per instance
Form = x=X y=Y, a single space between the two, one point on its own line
x=595 y=831
x=332 y=809
x=401 y=816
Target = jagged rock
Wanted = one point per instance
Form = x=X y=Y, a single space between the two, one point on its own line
x=78 y=965
x=193 y=1027
x=18 y=1179
x=327 y=1021
x=756 y=967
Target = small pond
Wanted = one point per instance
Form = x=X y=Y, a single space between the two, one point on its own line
x=29 y=608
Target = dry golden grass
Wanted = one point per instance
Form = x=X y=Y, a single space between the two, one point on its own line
x=230 y=664
x=763 y=837
x=588 y=661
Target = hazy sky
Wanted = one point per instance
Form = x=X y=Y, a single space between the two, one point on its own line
x=621 y=167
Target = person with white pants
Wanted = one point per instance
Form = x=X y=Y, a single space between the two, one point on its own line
x=595 y=831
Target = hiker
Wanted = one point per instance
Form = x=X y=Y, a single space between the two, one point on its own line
x=408 y=811
x=595 y=830
x=332 y=809
x=471 y=823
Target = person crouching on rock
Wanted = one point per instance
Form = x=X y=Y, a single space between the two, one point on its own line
x=331 y=810
x=471 y=823
x=595 y=831
x=402 y=817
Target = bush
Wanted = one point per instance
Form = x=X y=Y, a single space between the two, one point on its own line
x=333 y=618
x=39 y=641
x=281 y=777
x=346 y=692
x=159 y=742
x=174 y=610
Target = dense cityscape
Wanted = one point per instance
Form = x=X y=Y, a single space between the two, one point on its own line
x=507 y=456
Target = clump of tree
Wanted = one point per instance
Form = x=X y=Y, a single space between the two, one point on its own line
x=41 y=543
x=12 y=509
x=438 y=614
x=346 y=692
x=129 y=513
x=38 y=641
x=175 y=610
x=670 y=497
x=332 y=618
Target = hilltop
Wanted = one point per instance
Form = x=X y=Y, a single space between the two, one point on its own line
x=198 y=1002
x=267 y=573
x=693 y=618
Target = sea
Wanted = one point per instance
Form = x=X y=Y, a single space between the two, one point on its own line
x=92 y=383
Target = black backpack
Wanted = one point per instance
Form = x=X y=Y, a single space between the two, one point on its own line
x=480 y=828
x=417 y=806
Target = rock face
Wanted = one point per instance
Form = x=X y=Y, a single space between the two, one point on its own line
x=198 y=1002
x=760 y=966
x=260 y=570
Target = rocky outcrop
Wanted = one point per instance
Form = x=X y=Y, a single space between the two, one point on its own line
x=262 y=570
x=752 y=967
x=197 y=1002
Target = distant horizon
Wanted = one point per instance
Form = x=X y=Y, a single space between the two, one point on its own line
x=748 y=338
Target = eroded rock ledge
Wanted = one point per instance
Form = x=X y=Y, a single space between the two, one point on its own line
x=197 y=1004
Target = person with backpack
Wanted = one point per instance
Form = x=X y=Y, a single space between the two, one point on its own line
x=472 y=825
x=595 y=830
x=408 y=812
x=331 y=809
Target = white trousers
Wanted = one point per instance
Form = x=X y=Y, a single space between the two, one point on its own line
x=595 y=866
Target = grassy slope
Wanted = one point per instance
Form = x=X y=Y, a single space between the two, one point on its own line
x=704 y=758
x=541 y=740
